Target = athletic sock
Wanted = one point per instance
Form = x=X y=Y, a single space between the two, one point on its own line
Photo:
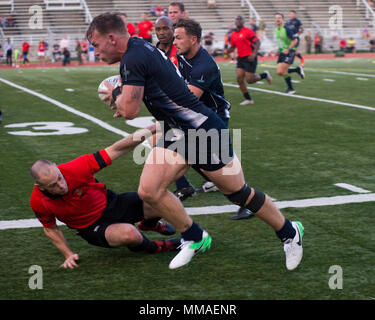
x=183 y=183
x=146 y=245
x=299 y=55
x=286 y=232
x=291 y=70
x=288 y=81
x=247 y=96
x=194 y=233
x=149 y=223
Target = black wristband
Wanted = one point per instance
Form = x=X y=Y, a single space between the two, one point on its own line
x=116 y=91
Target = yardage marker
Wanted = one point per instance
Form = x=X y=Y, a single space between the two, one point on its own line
x=351 y=188
x=358 y=106
x=67 y=108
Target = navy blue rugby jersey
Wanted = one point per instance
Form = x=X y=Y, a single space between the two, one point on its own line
x=203 y=72
x=166 y=95
x=294 y=25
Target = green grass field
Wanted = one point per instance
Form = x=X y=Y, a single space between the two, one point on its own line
x=292 y=148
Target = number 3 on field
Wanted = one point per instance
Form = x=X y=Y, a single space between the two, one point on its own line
x=49 y=128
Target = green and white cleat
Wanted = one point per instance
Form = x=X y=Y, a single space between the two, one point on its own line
x=189 y=249
x=293 y=247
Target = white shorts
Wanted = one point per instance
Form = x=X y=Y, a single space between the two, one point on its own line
x=41 y=54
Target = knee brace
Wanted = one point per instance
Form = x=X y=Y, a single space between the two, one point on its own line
x=240 y=197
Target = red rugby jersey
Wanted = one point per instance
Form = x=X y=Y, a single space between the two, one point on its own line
x=172 y=55
x=243 y=40
x=86 y=198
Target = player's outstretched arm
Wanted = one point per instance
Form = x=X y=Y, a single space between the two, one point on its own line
x=128 y=143
x=57 y=238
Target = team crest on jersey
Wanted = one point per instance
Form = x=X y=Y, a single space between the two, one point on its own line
x=78 y=192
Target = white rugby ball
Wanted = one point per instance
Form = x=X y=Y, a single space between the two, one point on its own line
x=113 y=80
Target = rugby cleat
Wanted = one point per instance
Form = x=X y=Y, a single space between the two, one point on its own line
x=184 y=193
x=162 y=227
x=269 y=77
x=246 y=102
x=301 y=72
x=243 y=213
x=189 y=249
x=290 y=91
x=208 y=186
x=293 y=247
x=167 y=245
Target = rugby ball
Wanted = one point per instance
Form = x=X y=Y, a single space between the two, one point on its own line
x=113 y=80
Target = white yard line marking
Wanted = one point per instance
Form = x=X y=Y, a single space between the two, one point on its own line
x=329 y=80
x=303 y=203
x=328 y=71
x=67 y=108
x=296 y=96
x=351 y=188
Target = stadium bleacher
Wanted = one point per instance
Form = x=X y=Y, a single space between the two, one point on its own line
x=71 y=17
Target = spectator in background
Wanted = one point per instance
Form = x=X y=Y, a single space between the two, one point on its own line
x=64 y=43
x=342 y=45
x=351 y=46
x=208 y=42
x=159 y=11
x=176 y=11
x=91 y=53
x=318 y=42
x=366 y=33
x=42 y=48
x=371 y=3
x=56 y=52
x=3 y=22
x=262 y=29
x=10 y=22
x=334 y=35
x=129 y=26
x=253 y=25
x=308 y=42
x=79 y=52
x=372 y=44
x=8 y=49
x=152 y=12
x=145 y=28
x=211 y=4
x=25 y=51
x=85 y=48
x=66 y=54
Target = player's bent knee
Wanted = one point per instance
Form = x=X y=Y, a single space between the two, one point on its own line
x=240 y=198
x=149 y=195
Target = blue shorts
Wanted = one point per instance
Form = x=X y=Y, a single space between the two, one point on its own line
x=209 y=147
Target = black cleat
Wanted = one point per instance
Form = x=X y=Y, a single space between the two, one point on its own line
x=243 y=213
x=184 y=193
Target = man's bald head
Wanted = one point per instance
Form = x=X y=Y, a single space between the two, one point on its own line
x=41 y=168
x=164 y=30
x=48 y=177
x=164 y=20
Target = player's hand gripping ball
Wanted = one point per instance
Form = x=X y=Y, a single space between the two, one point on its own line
x=113 y=81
